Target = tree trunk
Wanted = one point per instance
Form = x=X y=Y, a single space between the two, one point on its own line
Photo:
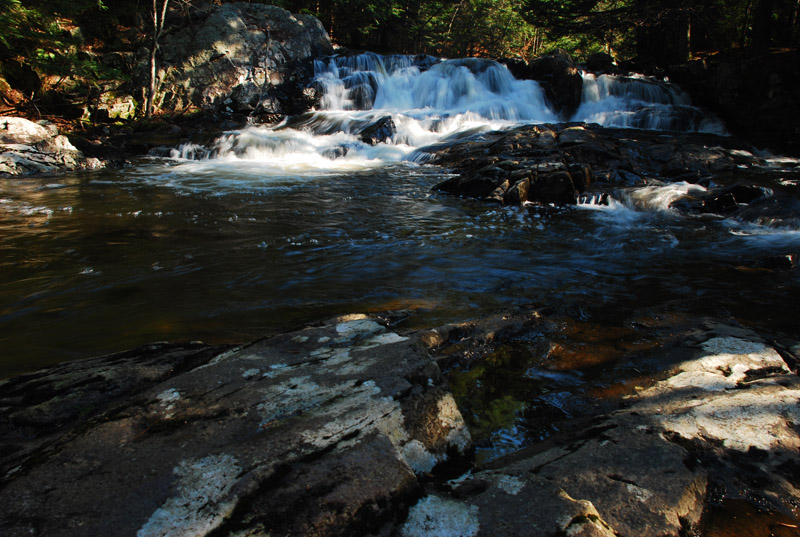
x=158 y=27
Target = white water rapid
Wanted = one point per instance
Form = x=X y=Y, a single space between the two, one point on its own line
x=643 y=103
x=380 y=109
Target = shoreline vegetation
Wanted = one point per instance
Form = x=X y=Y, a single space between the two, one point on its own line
x=88 y=67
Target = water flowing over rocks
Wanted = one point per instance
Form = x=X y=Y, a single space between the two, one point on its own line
x=342 y=429
x=569 y=163
x=28 y=148
x=558 y=76
x=249 y=59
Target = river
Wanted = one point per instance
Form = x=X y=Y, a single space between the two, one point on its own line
x=269 y=229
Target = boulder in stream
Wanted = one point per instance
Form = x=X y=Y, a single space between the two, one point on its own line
x=28 y=148
x=379 y=131
x=558 y=76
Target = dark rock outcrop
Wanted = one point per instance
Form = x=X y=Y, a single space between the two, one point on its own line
x=561 y=164
x=379 y=131
x=244 y=58
x=557 y=75
x=756 y=96
x=600 y=62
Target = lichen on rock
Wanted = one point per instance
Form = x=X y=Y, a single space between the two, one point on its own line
x=200 y=502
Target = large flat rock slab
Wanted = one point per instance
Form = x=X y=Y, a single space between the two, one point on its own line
x=342 y=429
x=320 y=431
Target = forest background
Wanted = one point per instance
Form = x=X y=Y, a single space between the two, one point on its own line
x=54 y=51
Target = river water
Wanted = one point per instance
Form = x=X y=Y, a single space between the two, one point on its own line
x=269 y=229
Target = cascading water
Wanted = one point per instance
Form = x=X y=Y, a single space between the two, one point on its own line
x=379 y=109
x=643 y=103
x=655 y=197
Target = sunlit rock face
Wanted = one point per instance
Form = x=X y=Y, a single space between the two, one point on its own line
x=718 y=427
x=28 y=148
x=243 y=58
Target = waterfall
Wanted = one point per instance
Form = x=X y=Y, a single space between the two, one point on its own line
x=377 y=109
x=643 y=103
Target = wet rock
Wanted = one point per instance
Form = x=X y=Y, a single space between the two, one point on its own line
x=719 y=427
x=36 y=148
x=378 y=132
x=554 y=187
x=321 y=431
x=724 y=203
x=728 y=200
x=518 y=193
x=473 y=186
x=336 y=152
x=593 y=157
x=581 y=176
x=560 y=80
x=600 y=62
x=749 y=193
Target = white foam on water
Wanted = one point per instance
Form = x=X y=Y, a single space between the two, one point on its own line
x=643 y=103
x=377 y=110
x=423 y=101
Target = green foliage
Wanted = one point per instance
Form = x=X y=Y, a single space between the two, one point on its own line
x=631 y=27
x=42 y=36
x=55 y=40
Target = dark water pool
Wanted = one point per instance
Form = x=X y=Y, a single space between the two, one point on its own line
x=224 y=252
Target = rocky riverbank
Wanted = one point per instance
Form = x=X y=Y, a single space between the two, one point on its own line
x=569 y=163
x=28 y=148
x=350 y=428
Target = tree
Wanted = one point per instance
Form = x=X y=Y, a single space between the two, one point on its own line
x=159 y=14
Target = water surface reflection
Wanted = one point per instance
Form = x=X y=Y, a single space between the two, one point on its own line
x=101 y=262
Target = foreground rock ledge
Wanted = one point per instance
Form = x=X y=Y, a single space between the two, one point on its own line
x=316 y=432
x=334 y=430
